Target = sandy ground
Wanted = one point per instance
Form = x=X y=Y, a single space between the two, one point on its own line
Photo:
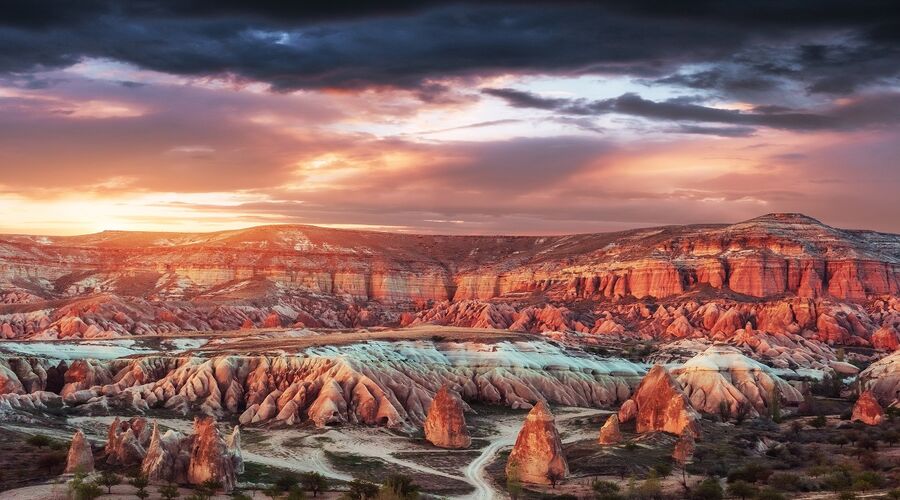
x=304 y=449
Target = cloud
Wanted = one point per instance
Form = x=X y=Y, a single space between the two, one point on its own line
x=866 y=111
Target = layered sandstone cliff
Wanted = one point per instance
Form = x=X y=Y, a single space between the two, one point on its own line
x=118 y=283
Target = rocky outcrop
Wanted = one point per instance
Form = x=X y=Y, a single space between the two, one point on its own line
x=210 y=457
x=609 y=433
x=659 y=404
x=118 y=283
x=538 y=454
x=722 y=381
x=375 y=383
x=167 y=456
x=126 y=441
x=867 y=410
x=882 y=380
x=445 y=426
x=80 y=458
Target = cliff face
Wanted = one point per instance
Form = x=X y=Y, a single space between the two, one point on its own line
x=116 y=283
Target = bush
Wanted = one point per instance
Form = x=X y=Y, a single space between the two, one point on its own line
x=109 y=479
x=361 y=490
x=708 y=489
x=819 y=422
x=314 y=482
x=399 y=486
x=742 y=489
x=606 y=490
x=38 y=440
x=287 y=482
x=867 y=480
x=52 y=461
x=751 y=473
x=786 y=481
x=769 y=494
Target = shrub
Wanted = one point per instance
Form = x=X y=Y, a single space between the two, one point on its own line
x=361 y=490
x=786 y=481
x=741 y=489
x=606 y=490
x=109 y=479
x=287 y=482
x=769 y=494
x=751 y=473
x=314 y=482
x=169 y=491
x=38 y=440
x=819 y=422
x=708 y=489
x=399 y=486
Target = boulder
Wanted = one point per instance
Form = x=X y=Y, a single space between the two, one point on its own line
x=80 y=457
x=867 y=410
x=609 y=433
x=660 y=405
x=445 y=425
x=538 y=454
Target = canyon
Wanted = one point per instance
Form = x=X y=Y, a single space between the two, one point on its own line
x=439 y=345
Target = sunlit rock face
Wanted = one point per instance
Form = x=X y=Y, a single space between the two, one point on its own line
x=118 y=283
x=609 y=433
x=882 y=380
x=80 y=457
x=659 y=404
x=721 y=379
x=538 y=453
x=376 y=383
x=445 y=425
x=867 y=410
x=210 y=459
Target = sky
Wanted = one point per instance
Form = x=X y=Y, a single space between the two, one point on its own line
x=446 y=117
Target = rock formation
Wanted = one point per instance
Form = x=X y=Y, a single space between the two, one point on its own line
x=538 y=453
x=210 y=457
x=867 y=410
x=445 y=426
x=80 y=457
x=721 y=379
x=659 y=404
x=126 y=441
x=118 y=283
x=882 y=379
x=168 y=456
x=609 y=433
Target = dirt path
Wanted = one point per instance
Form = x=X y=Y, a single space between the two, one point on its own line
x=509 y=430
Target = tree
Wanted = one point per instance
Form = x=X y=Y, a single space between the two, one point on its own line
x=287 y=481
x=846 y=495
x=663 y=469
x=52 y=460
x=296 y=494
x=314 y=482
x=273 y=492
x=769 y=494
x=724 y=411
x=240 y=495
x=109 y=479
x=401 y=486
x=819 y=422
x=891 y=438
x=554 y=477
x=606 y=490
x=796 y=427
x=775 y=402
x=361 y=490
x=38 y=440
x=741 y=489
x=839 y=440
x=708 y=489
x=140 y=482
x=169 y=491
x=209 y=487
x=84 y=490
x=741 y=412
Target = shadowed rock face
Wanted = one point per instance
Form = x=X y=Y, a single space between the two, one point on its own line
x=867 y=410
x=538 y=453
x=119 y=283
x=609 y=433
x=209 y=456
x=659 y=404
x=882 y=380
x=80 y=457
x=445 y=425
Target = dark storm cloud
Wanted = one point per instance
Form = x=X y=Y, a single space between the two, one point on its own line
x=404 y=43
x=871 y=110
